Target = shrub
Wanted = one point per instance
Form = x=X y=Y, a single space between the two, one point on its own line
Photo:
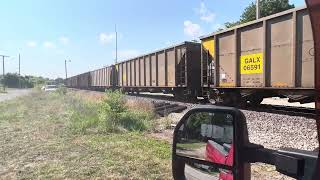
x=111 y=115
x=114 y=115
x=62 y=90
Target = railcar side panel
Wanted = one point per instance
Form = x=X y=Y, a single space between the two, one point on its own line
x=137 y=72
x=148 y=70
x=120 y=74
x=125 y=75
x=154 y=66
x=251 y=56
x=280 y=33
x=305 y=50
x=227 y=59
x=132 y=75
x=129 y=73
x=171 y=64
x=142 y=72
x=161 y=69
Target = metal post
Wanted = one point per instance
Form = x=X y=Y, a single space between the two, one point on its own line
x=2 y=66
x=115 y=28
x=3 y=56
x=65 y=68
x=19 y=64
x=257 y=9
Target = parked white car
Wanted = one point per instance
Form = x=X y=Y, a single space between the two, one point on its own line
x=50 y=88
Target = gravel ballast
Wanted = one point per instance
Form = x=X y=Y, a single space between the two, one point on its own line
x=273 y=131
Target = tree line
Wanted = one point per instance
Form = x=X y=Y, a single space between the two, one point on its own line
x=14 y=80
x=267 y=8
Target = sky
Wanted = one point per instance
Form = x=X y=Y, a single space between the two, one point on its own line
x=47 y=32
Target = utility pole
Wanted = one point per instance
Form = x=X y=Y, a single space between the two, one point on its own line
x=115 y=28
x=19 y=64
x=3 y=56
x=257 y=9
x=65 y=67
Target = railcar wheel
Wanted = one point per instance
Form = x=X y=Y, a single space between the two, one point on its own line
x=229 y=99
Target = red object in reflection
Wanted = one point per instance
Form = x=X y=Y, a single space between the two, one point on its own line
x=217 y=154
x=225 y=175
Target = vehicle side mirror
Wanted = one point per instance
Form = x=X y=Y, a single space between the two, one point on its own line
x=211 y=142
x=207 y=142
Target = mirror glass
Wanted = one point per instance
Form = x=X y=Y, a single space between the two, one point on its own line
x=207 y=136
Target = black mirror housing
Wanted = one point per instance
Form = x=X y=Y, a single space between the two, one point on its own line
x=224 y=137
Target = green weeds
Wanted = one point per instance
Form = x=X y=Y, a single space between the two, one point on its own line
x=110 y=115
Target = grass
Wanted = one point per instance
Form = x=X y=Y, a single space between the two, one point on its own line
x=2 y=90
x=59 y=136
x=112 y=114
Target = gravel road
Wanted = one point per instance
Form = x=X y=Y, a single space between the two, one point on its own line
x=13 y=93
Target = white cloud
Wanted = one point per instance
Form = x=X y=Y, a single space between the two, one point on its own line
x=205 y=14
x=217 y=26
x=31 y=44
x=64 y=40
x=126 y=54
x=192 y=29
x=168 y=43
x=106 y=38
x=49 y=45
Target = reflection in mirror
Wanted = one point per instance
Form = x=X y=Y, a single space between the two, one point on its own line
x=209 y=137
x=196 y=171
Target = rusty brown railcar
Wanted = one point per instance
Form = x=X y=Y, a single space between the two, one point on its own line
x=80 y=81
x=272 y=56
x=175 y=69
x=103 y=78
x=83 y=80
x=72 y=82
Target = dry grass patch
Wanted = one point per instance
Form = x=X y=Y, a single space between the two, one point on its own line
x=38 y=143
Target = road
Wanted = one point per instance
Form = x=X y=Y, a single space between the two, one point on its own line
x=13 y=93
x=194 y=174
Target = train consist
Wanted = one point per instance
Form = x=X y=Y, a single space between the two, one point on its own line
x=272 y=56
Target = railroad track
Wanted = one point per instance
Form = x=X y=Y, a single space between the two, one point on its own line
x=164 y=108
x=276 y=109
x=287 y=110
x=169 y=104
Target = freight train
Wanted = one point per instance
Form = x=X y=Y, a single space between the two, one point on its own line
x=272 y=56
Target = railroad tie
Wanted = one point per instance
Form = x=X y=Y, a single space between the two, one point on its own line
x=165 y=108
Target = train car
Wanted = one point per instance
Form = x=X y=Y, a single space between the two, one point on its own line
x=83 y=80
x=272 y=56
x=103 y=78
x=80 y=81
x=72 y=82
x=175 y=70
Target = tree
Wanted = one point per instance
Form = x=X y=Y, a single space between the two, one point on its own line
x=14 y=80
x=267 y=8
x=59 y=81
